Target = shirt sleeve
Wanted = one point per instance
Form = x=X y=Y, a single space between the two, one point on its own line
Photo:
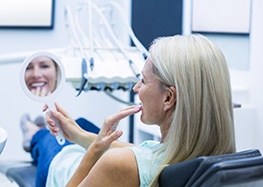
x=64 y=165
x=147 y=161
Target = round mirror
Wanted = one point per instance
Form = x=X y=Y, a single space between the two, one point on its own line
x=42 y=78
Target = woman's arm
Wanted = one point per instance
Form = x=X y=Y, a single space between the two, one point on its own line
x=116 y=168
x=72 y=131
x=103 y=141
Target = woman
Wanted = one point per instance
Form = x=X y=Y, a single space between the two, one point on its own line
x=41 y=76
x=185 y=90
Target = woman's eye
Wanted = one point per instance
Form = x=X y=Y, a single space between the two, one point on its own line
x=28 y=68
x=45 y=66
x=142 y=81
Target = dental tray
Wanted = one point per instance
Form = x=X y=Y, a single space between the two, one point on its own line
x=111 y=71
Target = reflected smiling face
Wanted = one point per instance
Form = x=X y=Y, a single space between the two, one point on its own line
x=41 y=76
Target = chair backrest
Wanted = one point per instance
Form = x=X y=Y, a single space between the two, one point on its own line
x=187 y=172
x=244 y=172
x=3 y=138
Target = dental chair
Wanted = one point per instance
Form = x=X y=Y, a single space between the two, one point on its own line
x=194 y=172
x=22 y=173
x=241 y=172
x=201 y=171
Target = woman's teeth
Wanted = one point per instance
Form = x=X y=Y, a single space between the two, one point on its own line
x=38 y=84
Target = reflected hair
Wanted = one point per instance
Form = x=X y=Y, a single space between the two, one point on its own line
x=58 y=72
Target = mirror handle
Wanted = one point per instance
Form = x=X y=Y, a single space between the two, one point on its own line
x=60 y=137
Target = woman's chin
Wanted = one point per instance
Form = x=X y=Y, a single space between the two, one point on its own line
x=143 y=120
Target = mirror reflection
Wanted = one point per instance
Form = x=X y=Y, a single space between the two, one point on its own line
x=42 y=76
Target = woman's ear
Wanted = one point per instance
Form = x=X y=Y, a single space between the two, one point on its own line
x=170 y=99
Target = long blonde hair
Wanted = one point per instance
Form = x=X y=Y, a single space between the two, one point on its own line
x=202 y=122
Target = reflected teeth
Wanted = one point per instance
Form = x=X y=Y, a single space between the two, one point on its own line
x=38 y=84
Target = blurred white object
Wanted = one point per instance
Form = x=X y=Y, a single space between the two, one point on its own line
x=97 y=58
x=3 y=138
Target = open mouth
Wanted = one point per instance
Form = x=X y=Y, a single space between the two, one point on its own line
x=141 y=105
x=39 y=84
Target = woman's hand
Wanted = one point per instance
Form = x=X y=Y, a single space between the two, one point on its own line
x=108 y=132
x=42 y=92
x=106 y=136
x=70 y=128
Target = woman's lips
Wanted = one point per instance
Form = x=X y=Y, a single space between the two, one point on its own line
x=141 y=106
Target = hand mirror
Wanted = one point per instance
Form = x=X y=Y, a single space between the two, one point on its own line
x=42 y=77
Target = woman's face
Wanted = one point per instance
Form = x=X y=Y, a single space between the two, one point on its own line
x=41 y=76
x=151 y=96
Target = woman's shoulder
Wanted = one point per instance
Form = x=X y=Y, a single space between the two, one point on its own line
x=118 y=166
x=120 y=157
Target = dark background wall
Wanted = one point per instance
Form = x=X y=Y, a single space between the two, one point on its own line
x=154 y=18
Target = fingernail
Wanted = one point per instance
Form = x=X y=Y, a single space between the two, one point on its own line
x=119 y=133
x=138 y=107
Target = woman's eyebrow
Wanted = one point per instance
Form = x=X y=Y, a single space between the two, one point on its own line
x=43 y=62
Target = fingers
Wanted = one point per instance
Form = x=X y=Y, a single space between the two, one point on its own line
x=60 y=114
x=125 y=112
x=34 y=91
x=39 y=91
x=50 y=120
x=114 y=136
x=61 y=110
x=131 y=107
x=105 y=142
x=45 y=108
x=51 y=125
x=43 y=92
x=111 y=122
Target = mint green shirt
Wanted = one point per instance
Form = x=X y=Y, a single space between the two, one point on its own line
x=148 y=160
x=65 y=163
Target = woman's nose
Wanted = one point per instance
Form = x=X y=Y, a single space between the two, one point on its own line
x=136 y=88
x=36 y=72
